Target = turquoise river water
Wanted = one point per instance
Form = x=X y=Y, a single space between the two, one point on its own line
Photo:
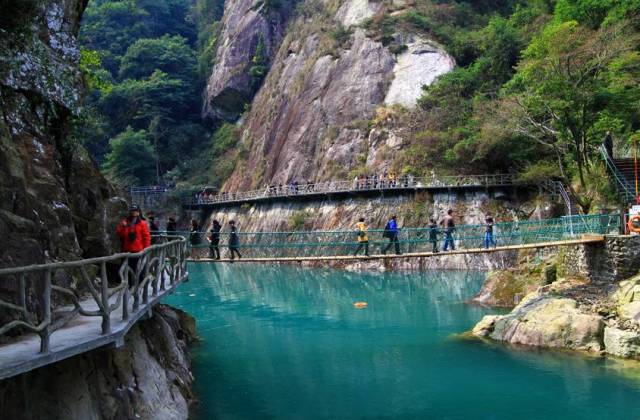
x=288 y=343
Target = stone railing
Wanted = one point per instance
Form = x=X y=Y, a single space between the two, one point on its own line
x=362 y=185
x=42 y=299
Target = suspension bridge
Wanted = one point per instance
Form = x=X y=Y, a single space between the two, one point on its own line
x=309 y=246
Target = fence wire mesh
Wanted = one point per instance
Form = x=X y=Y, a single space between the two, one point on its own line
x=410 y=240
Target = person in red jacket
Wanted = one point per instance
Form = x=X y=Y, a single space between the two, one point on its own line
x=133 y=232
x=134 y=235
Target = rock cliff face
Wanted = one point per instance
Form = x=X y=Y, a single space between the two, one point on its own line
x=247 y=26
x=54 y=204
x=310 y=120
x=148 y=378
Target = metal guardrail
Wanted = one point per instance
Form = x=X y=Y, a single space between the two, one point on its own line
x=626 y=191
x=411 y=240
x=153 y=189
x=373 y=184
x=48 y=296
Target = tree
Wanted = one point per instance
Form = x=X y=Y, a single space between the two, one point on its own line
x=169 y=54
x=131 y=159
x=138 y=102
x=572 y=80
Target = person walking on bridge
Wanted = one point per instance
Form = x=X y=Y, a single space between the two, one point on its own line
x=194 y=235
x=234 y=240
x=214 y=240
x=433 y=234
x=488 y=232
x=172 y=226
x=135 y=237
x=133 y=232
x=363 y=238
x=449 y=227
x=391 y=232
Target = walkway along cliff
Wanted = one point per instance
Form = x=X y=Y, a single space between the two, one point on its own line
x=55 y=206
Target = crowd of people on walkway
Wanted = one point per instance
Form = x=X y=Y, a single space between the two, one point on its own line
x=383 y=180
x=446 y=227
x=136 y=234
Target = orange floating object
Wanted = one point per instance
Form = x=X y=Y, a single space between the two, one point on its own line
x=360 y=305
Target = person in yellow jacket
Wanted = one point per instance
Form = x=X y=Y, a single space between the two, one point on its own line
x=363 y=238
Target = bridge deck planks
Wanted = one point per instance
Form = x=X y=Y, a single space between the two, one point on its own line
x=80 y=335
x=586 y=239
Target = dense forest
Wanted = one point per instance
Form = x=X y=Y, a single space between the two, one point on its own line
x=537 y=85
x=146 y=62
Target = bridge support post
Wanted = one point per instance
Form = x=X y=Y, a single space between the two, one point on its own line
x=104 y=297
x=45 y=333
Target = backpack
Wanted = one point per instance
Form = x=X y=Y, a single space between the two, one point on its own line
x=387 y=230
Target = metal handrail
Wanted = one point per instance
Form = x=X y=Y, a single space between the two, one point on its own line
x=137 y=273
x=624 y=188
x=373 y=184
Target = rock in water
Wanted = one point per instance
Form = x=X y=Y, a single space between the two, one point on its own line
x=544 y=321
x=622 y=343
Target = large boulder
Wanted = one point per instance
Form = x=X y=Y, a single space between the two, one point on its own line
x=545 y=321
x=622 y=343
x=627 y=299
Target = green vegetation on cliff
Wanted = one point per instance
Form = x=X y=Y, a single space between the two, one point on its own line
x=539 y=83
x=144 y=67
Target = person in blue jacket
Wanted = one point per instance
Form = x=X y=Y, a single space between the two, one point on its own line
x=391 y=232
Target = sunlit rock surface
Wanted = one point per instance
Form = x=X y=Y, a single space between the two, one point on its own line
x=354 y=12
x=545 y=321
x=420 y=65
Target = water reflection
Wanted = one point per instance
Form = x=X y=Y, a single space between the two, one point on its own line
x=286 y=342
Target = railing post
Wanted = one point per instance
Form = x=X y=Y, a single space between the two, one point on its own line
x=45 y=333
x=104 y=297
x=125 y=296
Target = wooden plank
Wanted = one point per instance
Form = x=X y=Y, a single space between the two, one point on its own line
x=586 y=239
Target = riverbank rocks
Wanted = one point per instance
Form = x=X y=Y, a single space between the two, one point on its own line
x=545 y=321
x=622 y=343
x=627 y=299
x=506 y=288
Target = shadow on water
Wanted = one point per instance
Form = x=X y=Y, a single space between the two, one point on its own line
x=287 y=342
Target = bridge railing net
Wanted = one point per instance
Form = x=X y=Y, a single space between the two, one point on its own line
x=410 y=240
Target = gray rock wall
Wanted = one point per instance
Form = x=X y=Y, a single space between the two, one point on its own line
x=329 y=79
x=245 y=25
x=54 y=204
x=615 y=260
x=148 y=378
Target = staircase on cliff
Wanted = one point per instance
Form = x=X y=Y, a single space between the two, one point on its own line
x=623 y=175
